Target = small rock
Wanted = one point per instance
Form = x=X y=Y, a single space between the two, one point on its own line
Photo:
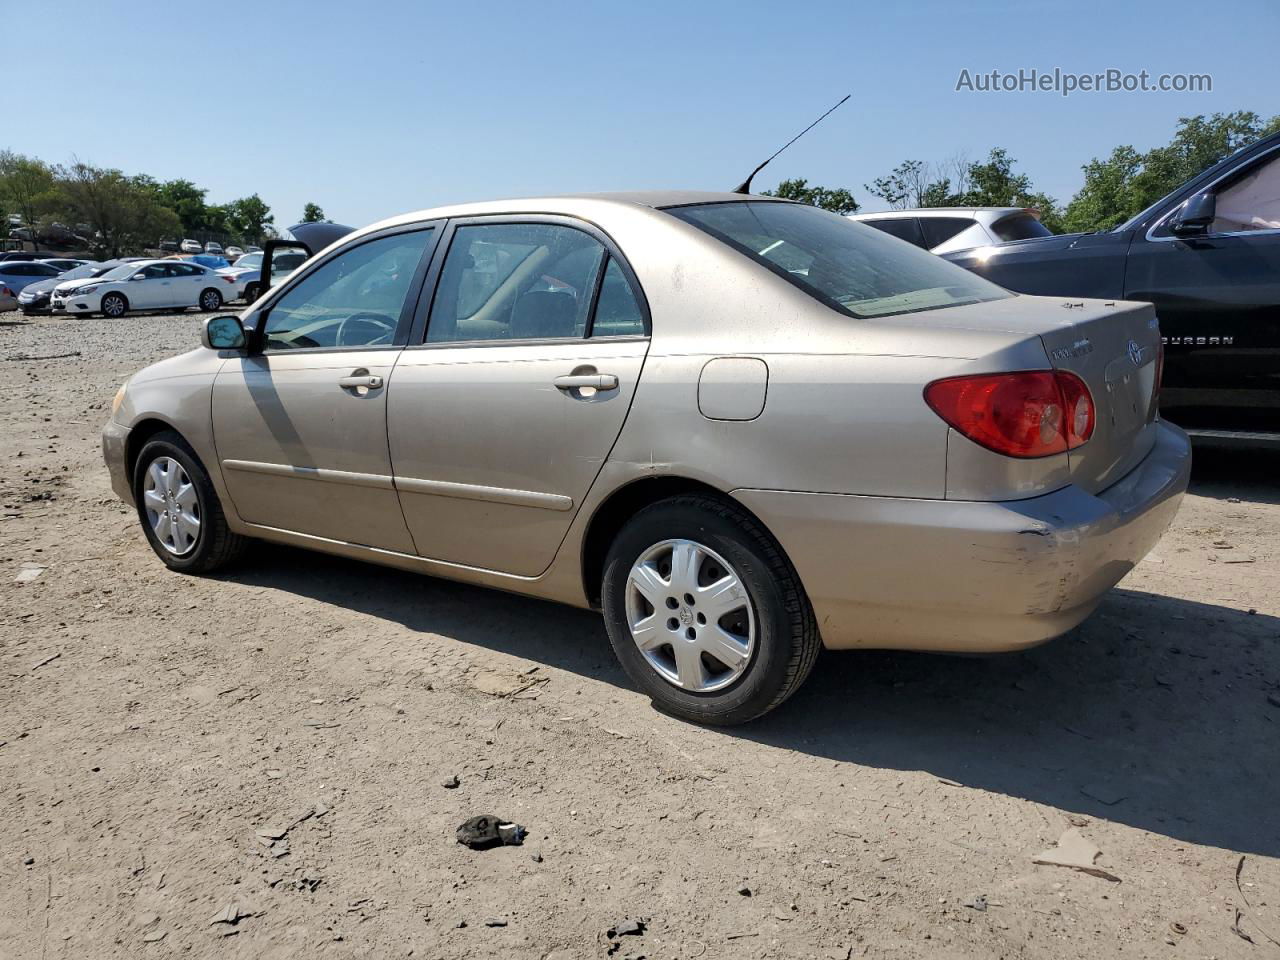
x=28 y=861
x=155 y=936
x=627 y=928
x=536 y=858
x=452 y=783
x=744 y=890
x=978 y=903
x=494 y=922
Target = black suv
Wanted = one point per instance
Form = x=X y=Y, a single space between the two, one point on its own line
x=1208 y=256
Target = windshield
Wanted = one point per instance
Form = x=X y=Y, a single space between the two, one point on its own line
x=80 y=272
x=250 y=260
x=849 y=266
x=123 y=272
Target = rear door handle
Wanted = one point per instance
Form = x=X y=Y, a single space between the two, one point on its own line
x=370 y=381
x=600 y=381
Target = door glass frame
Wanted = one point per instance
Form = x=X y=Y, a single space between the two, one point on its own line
x=408 y=309
x=418 y=332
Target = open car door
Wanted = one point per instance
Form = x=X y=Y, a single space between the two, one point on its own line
x=283 y=255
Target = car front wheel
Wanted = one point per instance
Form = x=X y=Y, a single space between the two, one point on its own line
x=114 y=305
x=705 y=613
x=179 y=509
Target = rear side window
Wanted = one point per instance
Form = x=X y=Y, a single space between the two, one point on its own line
x=1020 y=226
x=840 y=263
x=904 y=228
x=941 y=229
x=515 y=281
x=618 y=313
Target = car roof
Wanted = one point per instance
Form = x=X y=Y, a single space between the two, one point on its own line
x=934 y=212
x=569 y=203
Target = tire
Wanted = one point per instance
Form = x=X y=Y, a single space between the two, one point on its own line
x=214 y=544
x=775 y=639
x=114 y=305
x=210 y=300
x=251 y=293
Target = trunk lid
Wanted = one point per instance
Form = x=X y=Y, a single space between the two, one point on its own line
x=1114 y=347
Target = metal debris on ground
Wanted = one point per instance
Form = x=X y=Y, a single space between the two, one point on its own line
x=1075 y=852
x=978 y=903
x=494 y=922
x=486 y=830
x=452 y=783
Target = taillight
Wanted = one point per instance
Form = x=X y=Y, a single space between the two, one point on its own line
x=229 y=279
x=1030 y=413
x=7 y=292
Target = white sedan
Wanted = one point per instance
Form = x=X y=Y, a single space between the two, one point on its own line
x=147 y=285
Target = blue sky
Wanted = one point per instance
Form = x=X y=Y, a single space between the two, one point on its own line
x=383 y=106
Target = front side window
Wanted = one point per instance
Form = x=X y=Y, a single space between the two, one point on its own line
x=515 y=281
x=846 y=265
x=353 y=300
x=1250 y=203
x=155 y=271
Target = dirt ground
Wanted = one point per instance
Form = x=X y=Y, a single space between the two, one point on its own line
x=153 y=726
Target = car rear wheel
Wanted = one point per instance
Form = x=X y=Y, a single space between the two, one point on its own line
x=179 y=509
x=114 y=305
x=705 y=613
x=251 y=293
x=210 y=300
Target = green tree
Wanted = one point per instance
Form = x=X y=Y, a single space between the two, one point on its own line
x=1128 y=182
x=250 y=218
x=836 y=200
x=27 y=188
x=124 y=215
x=186 y=200
x=312 y=213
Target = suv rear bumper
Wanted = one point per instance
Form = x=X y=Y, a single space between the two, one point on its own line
x=971 y=576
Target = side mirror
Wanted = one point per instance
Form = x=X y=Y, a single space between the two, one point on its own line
x=138 y=276
x=223 y=333
x=1195 y=216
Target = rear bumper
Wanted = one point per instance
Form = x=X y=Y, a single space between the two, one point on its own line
x=969 y=576
x=115 y=444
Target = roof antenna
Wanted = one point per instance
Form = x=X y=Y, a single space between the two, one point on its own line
x=745 y=186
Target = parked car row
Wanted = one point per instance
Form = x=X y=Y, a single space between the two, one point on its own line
x=145 y=285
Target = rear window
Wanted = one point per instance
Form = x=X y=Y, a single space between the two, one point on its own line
x=1020 y=226
x=846 y=265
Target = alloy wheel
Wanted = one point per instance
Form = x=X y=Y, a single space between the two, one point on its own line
x=210 y=300
x=112 y=306
x=690 y=615
x=172 y=507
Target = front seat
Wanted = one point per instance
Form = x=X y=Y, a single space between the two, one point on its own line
x=540 y=314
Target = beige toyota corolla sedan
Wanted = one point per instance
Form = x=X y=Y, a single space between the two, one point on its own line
x=742 y=428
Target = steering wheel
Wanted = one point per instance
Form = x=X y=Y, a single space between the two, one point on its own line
x=365 y=330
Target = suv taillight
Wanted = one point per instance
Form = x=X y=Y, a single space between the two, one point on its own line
x=1030 y=413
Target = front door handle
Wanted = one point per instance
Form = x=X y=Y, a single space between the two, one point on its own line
x=369 y=381
x=599 y=381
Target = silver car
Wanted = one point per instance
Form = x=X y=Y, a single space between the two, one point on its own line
x=944 y=229
x=742 y=428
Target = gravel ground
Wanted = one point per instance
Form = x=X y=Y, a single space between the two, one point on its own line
x=154 y=725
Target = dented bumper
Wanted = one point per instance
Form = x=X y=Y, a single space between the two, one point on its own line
x=968 y=576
